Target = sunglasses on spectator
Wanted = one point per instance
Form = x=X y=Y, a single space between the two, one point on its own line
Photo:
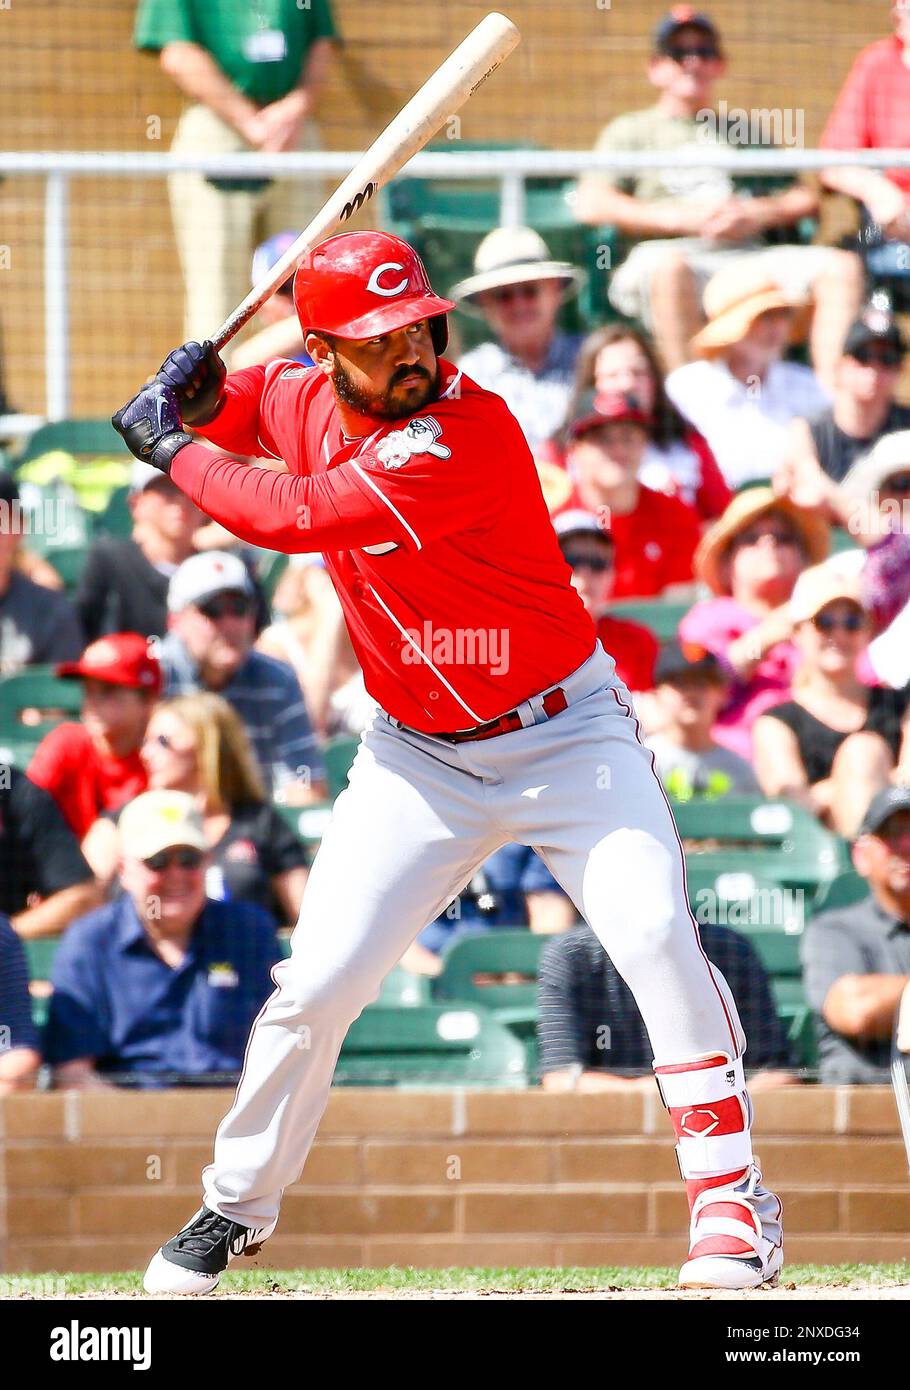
x=878 y=357
x=830 y=622
x=706 y=51
x=599 y=564
x=779 y=537
x=529 y=289
x=163 y=741
x=170 y=858
x=898 y=482
x=226 y=605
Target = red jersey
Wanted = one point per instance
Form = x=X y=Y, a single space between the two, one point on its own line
x=633 y=647
x=655 y=543
x=434 y=531
x=82 y=782
x=872 y=110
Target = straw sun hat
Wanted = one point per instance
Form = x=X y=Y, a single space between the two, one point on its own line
x=734 y=299
x=742 y=511
x=513 y=256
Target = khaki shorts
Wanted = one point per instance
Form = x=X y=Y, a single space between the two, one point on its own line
x=795 y=268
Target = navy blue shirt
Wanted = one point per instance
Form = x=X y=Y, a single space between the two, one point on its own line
x=117 y=1002
x=16 y=1027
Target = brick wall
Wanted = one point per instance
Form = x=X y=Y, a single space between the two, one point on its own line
x=94 y=1182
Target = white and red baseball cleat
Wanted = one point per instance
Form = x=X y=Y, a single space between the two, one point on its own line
x=736 y=1238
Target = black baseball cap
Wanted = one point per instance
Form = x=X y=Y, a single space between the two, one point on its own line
x=679 y=659
x=876 y=324
x=884 y=804
x=683 y=17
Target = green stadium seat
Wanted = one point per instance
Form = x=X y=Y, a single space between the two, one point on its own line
x=846 y=889
x=116 y=519
x=338 y=755
x=512 y=1001
x=743 y=900
x=91 y=436
x=772 y=839
x=17 y=750
x=270 y=567
x=36 y=687
x=69 y=562
x=307 y=822
x=39 y=956
x=659 y=615
x=430 y=1045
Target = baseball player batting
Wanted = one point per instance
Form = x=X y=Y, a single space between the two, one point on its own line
x=420 y=490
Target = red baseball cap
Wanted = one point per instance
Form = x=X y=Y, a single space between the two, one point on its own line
x=122 y=658
x=608 y=408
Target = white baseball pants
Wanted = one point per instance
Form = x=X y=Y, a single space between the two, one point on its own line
x=418 y=818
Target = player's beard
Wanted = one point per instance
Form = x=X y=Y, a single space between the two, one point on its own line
x=383 y=406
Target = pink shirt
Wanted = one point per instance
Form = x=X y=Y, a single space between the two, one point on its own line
x=715 y=624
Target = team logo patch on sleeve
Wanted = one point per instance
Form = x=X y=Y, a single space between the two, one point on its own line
x=419 y=436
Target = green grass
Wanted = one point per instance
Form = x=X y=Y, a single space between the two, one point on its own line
x=399 y=1279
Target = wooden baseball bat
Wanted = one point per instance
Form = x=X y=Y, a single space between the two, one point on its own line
x=415 y=125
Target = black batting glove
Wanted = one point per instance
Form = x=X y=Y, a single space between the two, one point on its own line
x=195 y=373
x=151 y=426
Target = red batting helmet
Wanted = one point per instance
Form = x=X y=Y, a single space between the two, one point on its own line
x=361 y=284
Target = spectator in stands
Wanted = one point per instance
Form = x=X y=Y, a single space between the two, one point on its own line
x=742 y=395
x=751 y=559
x=592 y=1037
x=797 y=743
x=279 y=333
x=161 y=985
x=124 y=584
x=688 y=221
x=856 y=960
x=196 y=744
x=309 y=634
x=36 y=624
x=20 y=1056
x=872 y=111
x=589 y=551
x=518 y=289
x=514 y=888
x=863 y=411
x=93 y=765
x=654 y=535
x=691 y=690
x=209 y=646
x=619 y=358
x=45 y=882
x=253 y=78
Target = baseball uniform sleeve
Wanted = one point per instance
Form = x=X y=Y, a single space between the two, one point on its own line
x=239 y=424
x=453 y=473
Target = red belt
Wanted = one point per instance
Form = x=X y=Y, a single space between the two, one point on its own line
x=554 y=702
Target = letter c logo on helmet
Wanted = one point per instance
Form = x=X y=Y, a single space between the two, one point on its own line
x=373 y=283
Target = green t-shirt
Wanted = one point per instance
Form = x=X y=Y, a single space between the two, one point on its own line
x=685 y=136
x=259 y=44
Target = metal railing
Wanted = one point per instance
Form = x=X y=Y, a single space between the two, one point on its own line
x=512 y=169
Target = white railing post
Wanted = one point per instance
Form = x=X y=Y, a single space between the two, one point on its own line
x=56 y=295
x=512 y=199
